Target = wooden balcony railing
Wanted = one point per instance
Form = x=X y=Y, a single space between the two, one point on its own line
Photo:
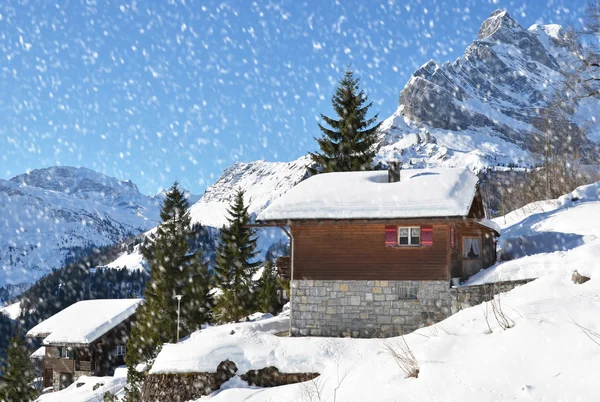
x=61 y=365
x=84 y=365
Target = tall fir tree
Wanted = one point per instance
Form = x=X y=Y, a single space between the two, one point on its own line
x=18 y=371
x=174 y=269
x=236 y=264
x=351 y=141
x=268 y=290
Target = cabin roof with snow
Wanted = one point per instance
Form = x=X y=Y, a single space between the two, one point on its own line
x=420 y=193
x=84 y=322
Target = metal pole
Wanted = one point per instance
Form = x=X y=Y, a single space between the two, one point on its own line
x=178 y=311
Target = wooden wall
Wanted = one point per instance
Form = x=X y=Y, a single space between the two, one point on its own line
x=358 y=252
x=488 y=247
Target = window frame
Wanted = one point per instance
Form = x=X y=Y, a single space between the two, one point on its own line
x=411 y=292
x=410 y=236
x=65 y=351
x=120 y=348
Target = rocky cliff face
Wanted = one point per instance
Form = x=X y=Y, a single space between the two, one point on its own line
x=482 y=109
x=504 y=77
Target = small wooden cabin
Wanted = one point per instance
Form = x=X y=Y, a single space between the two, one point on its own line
x=413 y=230
x=87 y=338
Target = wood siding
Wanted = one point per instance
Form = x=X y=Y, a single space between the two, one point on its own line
x=477 y=210
x=358 y=252
x=60 y=365
x=488 y=247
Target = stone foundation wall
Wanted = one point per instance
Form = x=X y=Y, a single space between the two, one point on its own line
x=367 y=308
x=380 y=308
x=469 y=296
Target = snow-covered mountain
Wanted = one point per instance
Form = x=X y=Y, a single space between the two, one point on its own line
x=50 y=214
x=262 y=182
x=484 y=108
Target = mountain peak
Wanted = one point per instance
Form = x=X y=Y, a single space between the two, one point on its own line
x=72 y=180
x=498 y=20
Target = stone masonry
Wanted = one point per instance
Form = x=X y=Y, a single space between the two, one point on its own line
x=367 y=308
x=380 y=308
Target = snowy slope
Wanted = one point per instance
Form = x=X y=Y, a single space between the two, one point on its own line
x=48 y=213
x=546 y=236
x=545 y=356
x=89 y=389
x=12 y=311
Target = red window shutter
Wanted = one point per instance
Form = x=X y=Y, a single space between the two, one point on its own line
x=390 y=236
x=451 y=236
x=426 y=235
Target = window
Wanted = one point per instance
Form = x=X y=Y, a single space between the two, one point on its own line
x=407 y=292
x=120 y=350
x=410 y=236
x=471 y=248
x=65 y=353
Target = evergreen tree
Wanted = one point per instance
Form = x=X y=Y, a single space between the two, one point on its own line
x=351 y=142
x=236 y=264
x=268 y=287
x=18 y=372
x=175 y=269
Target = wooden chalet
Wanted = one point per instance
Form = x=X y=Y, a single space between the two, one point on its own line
x=413 y=230
x=87 y=338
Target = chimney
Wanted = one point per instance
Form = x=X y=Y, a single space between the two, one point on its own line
x=394 y=168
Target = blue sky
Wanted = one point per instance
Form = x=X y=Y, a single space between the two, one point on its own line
x=155 y=91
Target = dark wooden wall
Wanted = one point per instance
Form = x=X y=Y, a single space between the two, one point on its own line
x=488 y=246
x=358 y=252
x=477 y=210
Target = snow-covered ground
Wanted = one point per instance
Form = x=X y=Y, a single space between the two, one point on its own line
x=83 y=390
x=546 y=356
x=547 y=236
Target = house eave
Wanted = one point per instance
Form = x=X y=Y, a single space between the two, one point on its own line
x=368 y=221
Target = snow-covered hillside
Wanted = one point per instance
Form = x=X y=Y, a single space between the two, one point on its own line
x=547 y=236
x=48 y=213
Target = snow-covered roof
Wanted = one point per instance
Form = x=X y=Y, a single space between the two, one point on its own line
x=39 y=353
x=439 y=192
x=85 y=321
